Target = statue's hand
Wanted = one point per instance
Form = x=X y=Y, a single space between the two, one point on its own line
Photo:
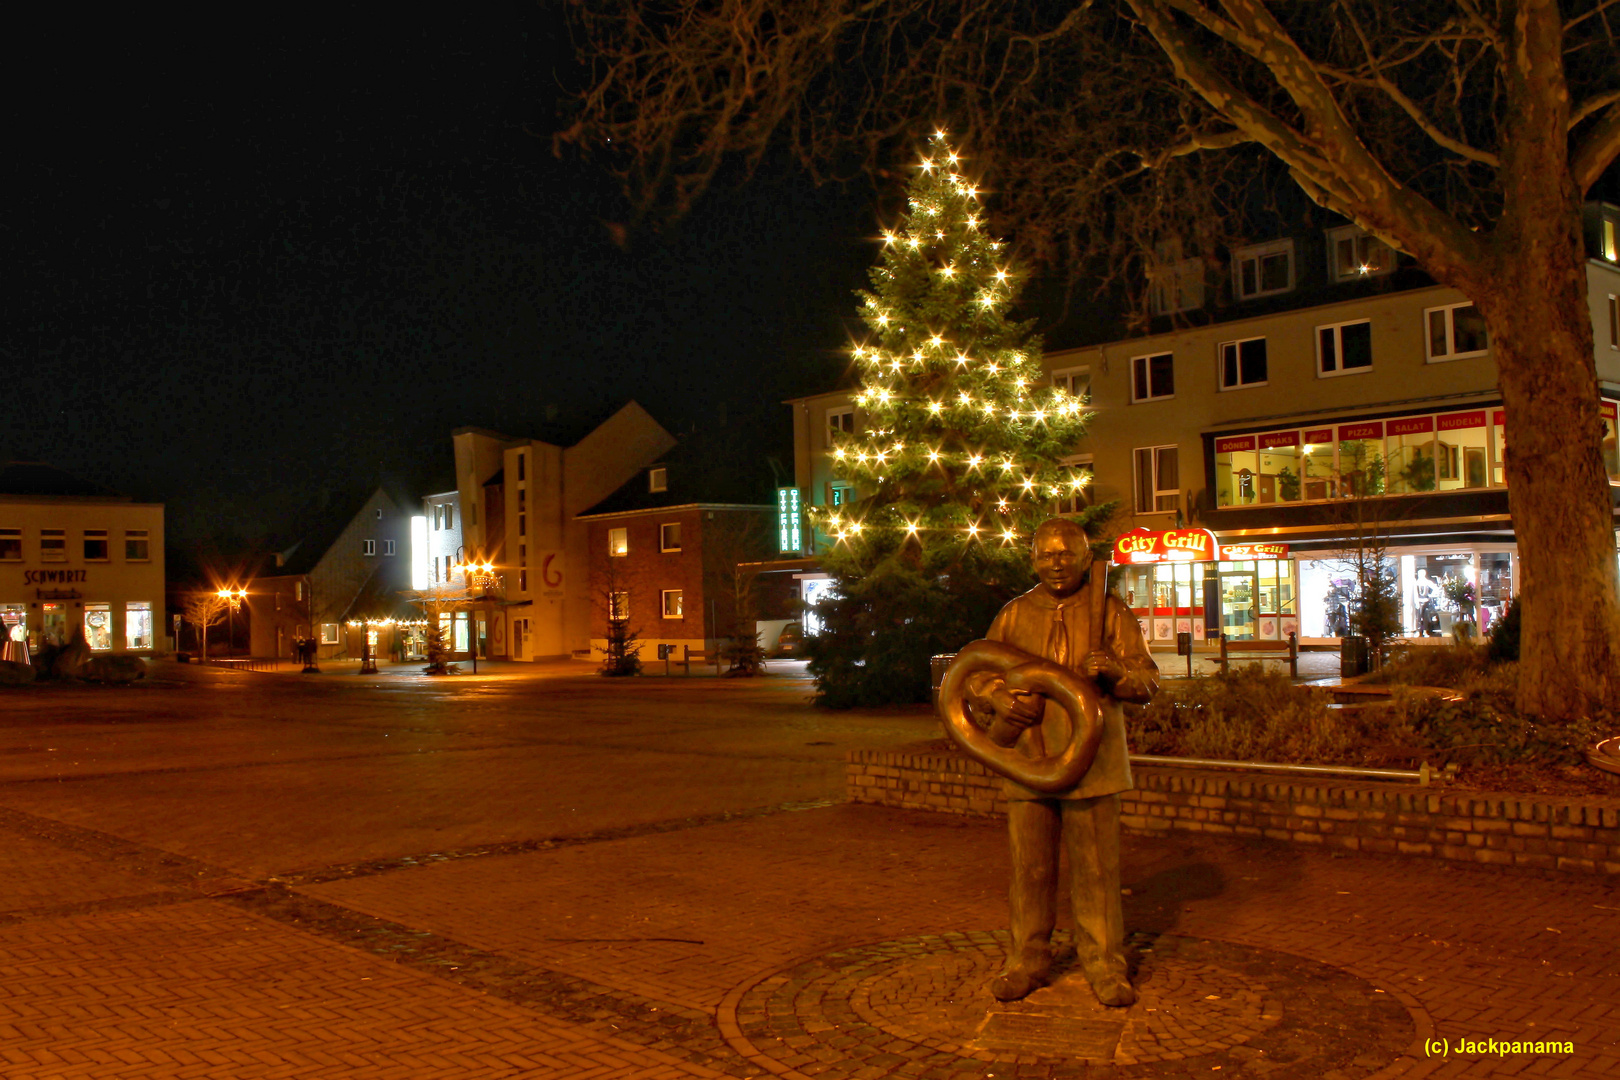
x=1101 y=663
x=1020 y=708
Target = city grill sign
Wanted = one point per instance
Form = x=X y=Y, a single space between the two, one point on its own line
x=52 y=577
x=1188 y=545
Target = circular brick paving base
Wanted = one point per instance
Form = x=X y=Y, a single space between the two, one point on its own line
x=920 y=1007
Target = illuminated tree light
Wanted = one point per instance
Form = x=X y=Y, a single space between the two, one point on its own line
x=992 y=368
x=961 y=360
x=888 y=238
x=989 y=409
x=948 y=271
x=1007 y=465
x=987 y=301
x=934 y=406
x=974 y=460
x=839 y=453
x=1007 y=536
x=973 y=530
x=936 y=341
x=927 y=165
x=964 y=398
x=933 y=456
x=883 y=320
x=914 y=242
x=1001 y=275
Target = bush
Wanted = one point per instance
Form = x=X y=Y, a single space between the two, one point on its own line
x=1429 y=665
x=1502 y=644
x=1483 y=728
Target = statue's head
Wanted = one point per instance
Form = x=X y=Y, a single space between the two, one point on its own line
x=1062 y=555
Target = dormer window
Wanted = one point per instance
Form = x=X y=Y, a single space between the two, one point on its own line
x=1264 y=269
x=1354 y=253
x=658 y=479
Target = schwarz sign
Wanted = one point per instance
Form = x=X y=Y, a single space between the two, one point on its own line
x=51 y=577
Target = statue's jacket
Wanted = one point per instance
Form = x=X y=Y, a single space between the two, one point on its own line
x=1026 y=623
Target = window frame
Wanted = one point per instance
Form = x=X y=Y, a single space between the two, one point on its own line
x=388 y=547
x=1614 y=321
x=1353 y=232
x=830 y=428
x=663 y=536
x=1256 y=253
x=143 y=536
x=1220 y=364
x=1147 y=360
x=332 y=638
x=657 y=479
x=60 y=552
x=15 y=535
x=1186 y=277
x=1063 y=379
x=1158 y=492
x=618 y=542
x=1451 y=335
x=368 y=548
x=89 y=536
x=1338 y=348
x=1074 y=502
x=619 y=605
x=663 y=602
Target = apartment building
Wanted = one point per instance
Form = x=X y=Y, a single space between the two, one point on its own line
x=1337 y=394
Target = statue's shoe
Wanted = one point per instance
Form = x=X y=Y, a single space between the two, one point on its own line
x=1109 y=983
x=1017 y=984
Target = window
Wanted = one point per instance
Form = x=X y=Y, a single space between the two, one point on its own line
x=1614 y=322
x=1343 y=349
x=1177 y=286
x=1157 y=483
x=379 y=513
x=618 y=541
x=136 y=546
x=1243 y=363
x=1454 y=331
x=839 y=422
x=523 y=466
x=95 y=545
x=1075 y=381
x=298 y=591
x=1354 y=253
x=450 y=513
x=1263 y=469
x=138 y=624
x=669 y=536
x=523 y=498
x=523 y=525
x=1611 y=250
x=388 y=547
x=658 y=479
x=10 y=545
x=618 y=606
x=472 y=514
x=1153 y=377
x=523 y=581
x=98 y=627
x=438 y=517
x=329 y=633
x=1264 y=269
x=1077 y=496
x=53 y=545
x=368 y=547
x=672 y=603
x=839 y=493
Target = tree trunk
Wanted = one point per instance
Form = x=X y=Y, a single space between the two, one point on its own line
x=1558 y=488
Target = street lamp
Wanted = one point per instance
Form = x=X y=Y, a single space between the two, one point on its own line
x=233 y=597
x=480 y=577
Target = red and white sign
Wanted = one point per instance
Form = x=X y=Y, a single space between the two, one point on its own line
x=1372 y=429
x=1234 y=444
x=1411 y=425
x=1273 y=439
x=1172 y=545
x=1250 y=552
x=1319 y=435
x=1457 y=421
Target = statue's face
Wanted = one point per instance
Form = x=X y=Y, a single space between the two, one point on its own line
x=1061 y=561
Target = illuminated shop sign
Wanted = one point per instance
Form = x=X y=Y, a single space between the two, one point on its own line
x=788 y=532
x=1188 y=545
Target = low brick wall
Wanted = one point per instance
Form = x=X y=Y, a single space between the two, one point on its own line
x=1547 y=832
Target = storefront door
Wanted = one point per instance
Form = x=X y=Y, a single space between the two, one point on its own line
x=55 y=628
x=1239 y=591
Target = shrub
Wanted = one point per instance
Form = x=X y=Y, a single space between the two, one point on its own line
x=1429 y=665
x=1502 y=644
x=1248 y=715
x=1482 y=727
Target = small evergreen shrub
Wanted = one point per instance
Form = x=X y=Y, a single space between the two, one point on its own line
x=1502 y=644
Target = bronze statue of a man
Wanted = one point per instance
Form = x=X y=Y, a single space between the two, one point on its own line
x=1092 y=645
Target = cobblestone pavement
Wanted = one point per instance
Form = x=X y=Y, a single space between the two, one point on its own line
x=538 y=873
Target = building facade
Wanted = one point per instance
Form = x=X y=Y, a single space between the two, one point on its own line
x=1339 y=399
x=77 y=559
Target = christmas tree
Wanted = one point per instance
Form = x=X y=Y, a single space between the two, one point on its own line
x=960 y=457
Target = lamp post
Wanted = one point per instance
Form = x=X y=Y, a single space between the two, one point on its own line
x=233 y=597
x=480 y=576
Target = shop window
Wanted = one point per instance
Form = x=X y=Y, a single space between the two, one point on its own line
x=1461 y=451
x=13 y=622
x=1362 y=469
x=1243 y=363
x=368 y=547
x=1409 y=449
x=137 y=547
x=669 y=536
x=1153 y=377
x=1456 y=331
x=1265 y=269
x=619 y=606
x=1075 y=381
x=672 y=603
x=1354 y=253
x=1344 y=348
x=1318 y=465
x=96 y=546
x=138 y=624
x=658 y=479
x=53 y=545
x=1157 y=480
x=1499 y=442
x=840 y=422
x=1493 y=587
x=10 y=545
x=618 y=542
x=98 y=627
x=1076 y=494
x=329 y=633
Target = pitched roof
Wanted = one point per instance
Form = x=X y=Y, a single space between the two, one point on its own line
x=701 y=468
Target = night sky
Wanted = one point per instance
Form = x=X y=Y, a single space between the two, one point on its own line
x=256 y=267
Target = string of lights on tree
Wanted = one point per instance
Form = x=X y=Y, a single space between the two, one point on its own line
x=963 y=435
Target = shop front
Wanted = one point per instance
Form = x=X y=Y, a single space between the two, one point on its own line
x=1445 y=590
x=1185 y=581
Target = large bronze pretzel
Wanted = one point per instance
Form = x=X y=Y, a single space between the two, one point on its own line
x=1053 y=774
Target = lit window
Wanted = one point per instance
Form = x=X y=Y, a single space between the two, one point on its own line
x=136 y=546
x=98 y=627
x=298 y=591
x=669 y=536
x=1344 y=348
x=1264 y=269
x=329 y=633
x=138 y=624
x=53 y=545
x=1611 y=250
x=95 y=545
x=1243 y=363
x=618 y=606
x=10 y=545
x=1157 y=480
x=839 y=422
x=658 y=479
x=368 y=547
x=672 y=603
x=1355 y=253
x=618 y=541
x=1455 y=331
x=1153 y=377
x=839 y=494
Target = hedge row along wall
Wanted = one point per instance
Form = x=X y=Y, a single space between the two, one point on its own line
x=1547 y=832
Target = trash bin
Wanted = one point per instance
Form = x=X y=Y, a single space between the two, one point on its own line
x=1353 y=656
x=936 y=673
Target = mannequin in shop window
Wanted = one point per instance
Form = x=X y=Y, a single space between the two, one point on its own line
x=1428 y=594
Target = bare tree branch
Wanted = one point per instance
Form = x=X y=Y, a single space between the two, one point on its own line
x=1597 y=151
